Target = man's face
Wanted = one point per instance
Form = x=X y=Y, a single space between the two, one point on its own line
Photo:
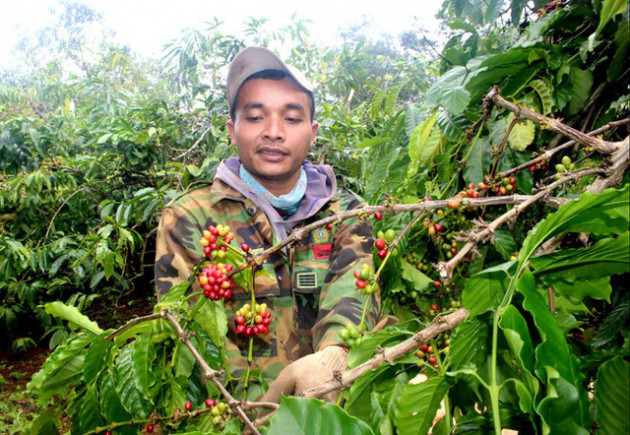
x=272 y=131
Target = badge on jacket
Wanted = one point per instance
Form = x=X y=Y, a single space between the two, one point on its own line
x=322 y=243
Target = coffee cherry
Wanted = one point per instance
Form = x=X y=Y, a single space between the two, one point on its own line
x=380 y=244
x=438 y=228
x=329 y=227
x=437 y=283
x=453 y=251
x=423 y=347
x=512 y=181
x=432 y=360
x=566 y=161
x=382 y=254
x=453 y=203
x=357 y=274
x=390 y=235
x=252 y=321
x=245 y=247
x=533 y=168
x=378 y=216
x=188 y=406
x=149 y=428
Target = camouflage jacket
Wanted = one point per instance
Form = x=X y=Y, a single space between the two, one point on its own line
x=310 y=287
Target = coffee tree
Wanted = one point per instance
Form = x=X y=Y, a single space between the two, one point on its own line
x=498 y=197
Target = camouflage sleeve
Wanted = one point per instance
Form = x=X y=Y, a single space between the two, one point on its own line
x=175 y=258
x=340 y=300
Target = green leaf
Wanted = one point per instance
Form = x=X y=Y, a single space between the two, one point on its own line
x=131 y=376
x=63 y=368
x=72 y=315
x=478 y=161
x=544 y=91
x=470 y=345
x=612 y=394
x=44 y=424
x=377 y=102
x=94 y=357
x=411 y=274
x=184 y=359
x=89 y=415
x=560 y=409
x=610 y=8
x=212 y=318
x=421 y=145
x=566 y=403
x=384 y=338
x=612 y=324
x=504 y=243
x=418 y=404
x=485 y=290
x=576 y=291
x=617 y=65
x=522 y=134
x=392 y=97
x=455 y=99
x=518 y=337
x=111 y=407
x=606 y=213
x=582 y=82
x=310 y=416
x=606 y=257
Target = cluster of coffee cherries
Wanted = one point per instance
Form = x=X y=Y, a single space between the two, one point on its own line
x=564 y=167
x=365 y=280
x=351 y=335
x=427 y=353
x=383 y=242
x=433 y=228
x=210 y=239
x=219 y=412
x=251 y=322
x=550 y=7
x=215 y=282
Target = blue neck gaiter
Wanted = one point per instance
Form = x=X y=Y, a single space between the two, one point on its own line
x=288 y=203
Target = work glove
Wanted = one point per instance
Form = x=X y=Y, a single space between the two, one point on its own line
x=308 y=372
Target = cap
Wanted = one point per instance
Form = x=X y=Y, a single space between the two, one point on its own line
x=251 y=60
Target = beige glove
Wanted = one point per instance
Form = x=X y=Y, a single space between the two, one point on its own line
x=308 y=372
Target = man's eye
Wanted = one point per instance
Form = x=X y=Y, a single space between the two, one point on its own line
x=253 y=118
x=294 y=120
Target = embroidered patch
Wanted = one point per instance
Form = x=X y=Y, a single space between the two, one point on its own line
x=321 y=236
x=322 y=251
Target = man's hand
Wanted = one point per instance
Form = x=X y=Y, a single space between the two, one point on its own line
x=308 y=372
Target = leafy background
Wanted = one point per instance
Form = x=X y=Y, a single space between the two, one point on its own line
x=92 y=147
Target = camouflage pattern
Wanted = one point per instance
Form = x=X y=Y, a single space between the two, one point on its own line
x=309 y=288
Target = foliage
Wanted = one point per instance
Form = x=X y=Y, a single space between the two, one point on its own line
x=90 y=156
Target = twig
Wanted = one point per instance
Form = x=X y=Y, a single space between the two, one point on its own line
x=502 y=145
x=424 y=206
x=209 y=373
x=195 y=144
x=551 y=152
x=446 y=269
x=602 y=146
x=552 y=301
x=59 y=209
x=390 y=354
x=134 y=322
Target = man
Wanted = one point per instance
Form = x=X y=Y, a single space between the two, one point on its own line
x=262 y=195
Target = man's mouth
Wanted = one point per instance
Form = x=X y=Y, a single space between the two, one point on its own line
x=272 y=152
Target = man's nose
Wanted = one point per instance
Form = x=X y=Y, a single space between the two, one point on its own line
x=274 y=128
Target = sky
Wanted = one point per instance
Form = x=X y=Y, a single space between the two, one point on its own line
x=146 y=25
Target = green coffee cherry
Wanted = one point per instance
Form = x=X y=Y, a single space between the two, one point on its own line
x=566 y=161
x=561 y=168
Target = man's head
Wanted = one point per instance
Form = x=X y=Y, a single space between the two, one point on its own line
x=271 y=118
x=259 y=62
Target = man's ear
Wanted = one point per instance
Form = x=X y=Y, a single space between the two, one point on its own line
x=230 y=126
x=314 y=129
